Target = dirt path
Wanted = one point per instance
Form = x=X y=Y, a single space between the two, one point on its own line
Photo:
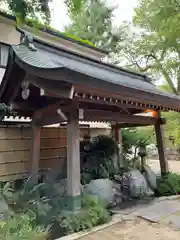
x=174 y=166
x=136 y=229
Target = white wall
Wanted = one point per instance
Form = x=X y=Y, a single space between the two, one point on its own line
x=8 y=33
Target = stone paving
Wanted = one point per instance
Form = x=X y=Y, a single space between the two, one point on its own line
x=156 y=218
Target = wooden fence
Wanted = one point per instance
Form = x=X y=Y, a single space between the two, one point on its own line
x=15 y=145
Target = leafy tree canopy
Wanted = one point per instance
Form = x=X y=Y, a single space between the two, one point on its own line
x=94 y=23
x=38 y=9
x=135 y=137
x=159 y=42
x=34 y=9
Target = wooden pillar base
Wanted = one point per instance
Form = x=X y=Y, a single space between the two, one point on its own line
x=73 y=203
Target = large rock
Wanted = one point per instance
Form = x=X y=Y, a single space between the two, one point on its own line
x=4 y=208
x=134 y=184
x=150 y=177
x=102 y=188
x=117 y=194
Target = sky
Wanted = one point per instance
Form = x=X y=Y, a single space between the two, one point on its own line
x=123 y=12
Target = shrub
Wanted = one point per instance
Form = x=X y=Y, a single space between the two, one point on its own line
x=93 y=213
x=20 y=227
x=35 y=198
x=99 y=160
x=34 y=206
x=168 y=185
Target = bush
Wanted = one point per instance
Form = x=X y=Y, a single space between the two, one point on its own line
x=168 y=185
x=35 y=199
x=20 y=227
x=34 y=206
x=99 y=159
x=93 y=213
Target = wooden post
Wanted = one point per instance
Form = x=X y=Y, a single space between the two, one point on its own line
x=160 y=145
x=116 y=134
x=73 y=159
x=34 y=152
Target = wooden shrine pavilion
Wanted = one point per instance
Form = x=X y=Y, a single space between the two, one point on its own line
x=51 y=85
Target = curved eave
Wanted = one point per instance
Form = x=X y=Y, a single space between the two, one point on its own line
x=89 y=75
x=16 y=71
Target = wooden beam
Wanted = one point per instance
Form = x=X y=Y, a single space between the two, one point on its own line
x=49 y=115
x=161 y=148
x=67 y=92
x=101 y=101
x=99 y=115
x=73 y=158
x=132 y=125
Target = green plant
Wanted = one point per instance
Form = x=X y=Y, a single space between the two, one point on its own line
x=38 y=199
x=168 y=184
x=92 y=214
x=100 y=156
x=20 y=227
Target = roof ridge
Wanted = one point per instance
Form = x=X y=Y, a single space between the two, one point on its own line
x=54 y=32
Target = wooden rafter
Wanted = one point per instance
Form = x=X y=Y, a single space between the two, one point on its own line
x=119 y=102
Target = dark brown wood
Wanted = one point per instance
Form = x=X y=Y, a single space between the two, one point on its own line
x=55 y=92
x=100 y=101
x=107 y=116
x=132 y=125
x=49 y=115
x=161 y=148
x=90 y=84
x=34 y=152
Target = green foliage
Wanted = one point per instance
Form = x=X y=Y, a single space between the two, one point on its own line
x=74 y=6
x=34 y=9
x=98 y=158
x=36 y=210
x=136 y=137
x=172 y=128
x=37 y=199
x=40 y=26
x=164 y=18
x=20 y=227
x=5 y=110
x=168 y=185
x=93 y=213
x=94 y=23
x=102 y=145
x=159 y=41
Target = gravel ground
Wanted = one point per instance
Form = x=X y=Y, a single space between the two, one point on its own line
x=139 y=229
x=174 y=166
x=136 y=229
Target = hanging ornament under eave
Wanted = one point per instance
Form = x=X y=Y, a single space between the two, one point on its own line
x=25 y=93
x=25 y=90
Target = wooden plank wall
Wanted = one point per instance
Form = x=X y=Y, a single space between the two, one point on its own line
x=15 y=145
